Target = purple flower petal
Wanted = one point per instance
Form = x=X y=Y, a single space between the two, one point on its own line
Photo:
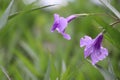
x=94 y=57
x=93 y=48
x=85 y=41
x=66 y=36
x=56 y=22
x=88 y=51
x=70 y=18
x=99 y=55
x=104 y=53
x=60 y=24
x=98 y=41
x=56 y=17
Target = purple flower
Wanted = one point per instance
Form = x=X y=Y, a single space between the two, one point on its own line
x=60 y=24
x=93 y=48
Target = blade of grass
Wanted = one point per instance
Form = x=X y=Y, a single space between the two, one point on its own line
x=27 y=63
x=107 y=75
x=110 y=67
x=26 y=70
x=29 y=50
x=15 y=70
x=47 y=74
x=108 y=5
x=4 y=17
x=112 y=34
x=5 y=72
x=35 y=9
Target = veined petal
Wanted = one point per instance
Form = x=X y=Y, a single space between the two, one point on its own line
x=94 y=57
x=88 y=51
x=99 y=55
x=104 y=53
x=93 y=48
x=85 y=41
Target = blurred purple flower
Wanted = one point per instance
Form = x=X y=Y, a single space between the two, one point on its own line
x=93 y=48
x=60 y=24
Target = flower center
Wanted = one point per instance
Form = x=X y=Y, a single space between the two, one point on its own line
x=98 y=42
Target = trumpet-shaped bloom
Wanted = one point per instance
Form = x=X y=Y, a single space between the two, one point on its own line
x=60 y=24
x=93 y=48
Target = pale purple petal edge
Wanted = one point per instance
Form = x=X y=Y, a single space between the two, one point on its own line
x=86 y=40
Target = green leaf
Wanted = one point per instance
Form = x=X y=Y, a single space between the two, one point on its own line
x=26 y=70
x=108 y=5
x=14 y=70
x=4 y=17
x=35 y=9
x=113 y=35
x=29 y=50
x=66 y=75
x=47 y=74
x=5 y=72
x=51 y=72
x=107 y=75
x=27 y=63
x=110 y=67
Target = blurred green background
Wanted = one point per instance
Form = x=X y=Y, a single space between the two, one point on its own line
x=29 y=51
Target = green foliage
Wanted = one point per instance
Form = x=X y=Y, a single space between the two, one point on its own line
x=113 y=34
x=29 y=51
x=4 y=17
